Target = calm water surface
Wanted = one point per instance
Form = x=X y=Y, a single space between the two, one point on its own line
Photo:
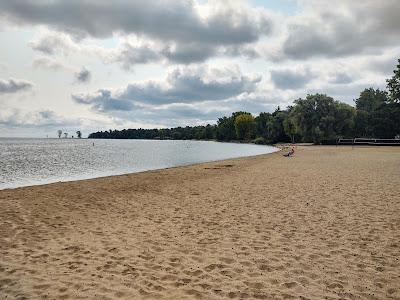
x=37 y=161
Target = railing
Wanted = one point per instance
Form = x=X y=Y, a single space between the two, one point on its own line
x=364 y=141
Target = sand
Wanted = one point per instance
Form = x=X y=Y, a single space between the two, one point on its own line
x=324 y=224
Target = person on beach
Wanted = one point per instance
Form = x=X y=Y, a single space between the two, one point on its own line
x=290 y=153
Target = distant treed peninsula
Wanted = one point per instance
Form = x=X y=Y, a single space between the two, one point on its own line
x=318 y=119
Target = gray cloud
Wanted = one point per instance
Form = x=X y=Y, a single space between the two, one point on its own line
x=285 y=79
x=183 y=85
x=348 y=28
x=341 y=78
x=83 y=76
x=181 y=21
x=130 y=55
x=188 y=96
x=11 y=86
x=190 y=85
x=184 y=33
x=102 y=101
x=188 y=53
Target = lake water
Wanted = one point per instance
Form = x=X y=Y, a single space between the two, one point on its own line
x=26 y=162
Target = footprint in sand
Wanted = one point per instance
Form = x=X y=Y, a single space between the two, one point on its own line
x=290 y=285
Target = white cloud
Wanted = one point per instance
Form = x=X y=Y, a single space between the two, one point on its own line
x=49 y=64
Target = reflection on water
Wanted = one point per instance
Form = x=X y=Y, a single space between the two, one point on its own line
x=37 y=161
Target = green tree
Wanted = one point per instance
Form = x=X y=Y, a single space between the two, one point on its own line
x=245 y=126
x=385 y=121
x=367 y=104
x=362 y=124
x=270 y=126
x=344 y=120
x=262 y=121
x=176 y=135
x=209 y=132
x=319 y=117
x=276 y=128
x=289 y=125
x=393 y=85
x=371 y=99
x=226 y=129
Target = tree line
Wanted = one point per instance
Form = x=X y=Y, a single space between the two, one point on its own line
x=317 y=118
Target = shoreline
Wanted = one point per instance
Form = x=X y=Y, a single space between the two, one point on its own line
x=323 y=223
x=278 y=149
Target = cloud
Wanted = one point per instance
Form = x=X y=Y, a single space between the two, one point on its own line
x=347 y=28
x=102 y=101
x=132 y=50
x=52 y=43
x=12 y=86
x=341 y=78
x=291 y=79
x=188 y=95
x=48 y=63
x=177 y=114
x=383 y=64
x=181 y=24
x=192 y=84
x=183 y=114
x=42 y=118
x=129 y=54
x=198 y=110
x=186 y=32
x=182 y=85
x=194 y=31
x=188 y=53
x=83 y=76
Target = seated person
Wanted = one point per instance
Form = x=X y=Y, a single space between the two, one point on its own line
x=290 y=153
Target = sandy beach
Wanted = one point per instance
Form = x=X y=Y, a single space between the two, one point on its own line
x=324 y=224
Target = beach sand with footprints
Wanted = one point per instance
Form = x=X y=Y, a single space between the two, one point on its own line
x=324 y=224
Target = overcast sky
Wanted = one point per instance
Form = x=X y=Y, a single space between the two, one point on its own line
x=94 y=65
